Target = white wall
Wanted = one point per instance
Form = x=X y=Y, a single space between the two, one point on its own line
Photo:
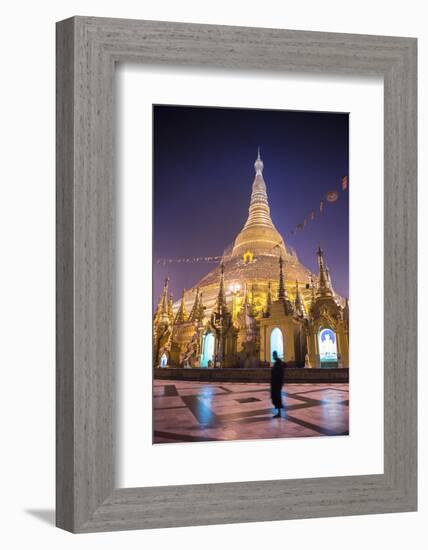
x=27 y=270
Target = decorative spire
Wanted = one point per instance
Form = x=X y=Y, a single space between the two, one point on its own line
x=324 y=287
x=170 y=304
x=312 y=290
x=221 y=298
x=259 y=211
x=181 y=316
x=163 y=307
x=258 y=165
x=282 y=292
x=194 y=311
x=259 y=235
x=201 y=310
x=323 y=280
x=197 y=313
x=298 y=302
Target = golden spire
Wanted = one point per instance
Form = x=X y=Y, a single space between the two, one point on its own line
x=312 y=290
x=221 y=298
x=162 y=312
x=282 y=292
x=258 y=165
x=181 y=316
x=170 y=304
x=194 y=311
x=269 y=300
x=298 y=302
x=197 y=313
x=324 y=287
x=200 y=311
x=259 y=235
x=259 y=211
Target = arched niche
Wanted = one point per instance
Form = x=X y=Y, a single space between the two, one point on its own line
x=276 y=343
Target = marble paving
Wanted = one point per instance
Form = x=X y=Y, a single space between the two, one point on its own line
x=187 y=411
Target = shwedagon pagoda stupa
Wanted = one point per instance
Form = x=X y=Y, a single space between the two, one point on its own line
x=229 y=317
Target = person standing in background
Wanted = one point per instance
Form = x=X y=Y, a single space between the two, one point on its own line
x=276 y=383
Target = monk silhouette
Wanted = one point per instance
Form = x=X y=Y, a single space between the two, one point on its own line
x=276 y=382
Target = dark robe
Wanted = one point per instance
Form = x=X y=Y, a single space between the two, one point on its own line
x=276 y=382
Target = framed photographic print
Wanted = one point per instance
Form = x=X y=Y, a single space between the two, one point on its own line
x=236 y=274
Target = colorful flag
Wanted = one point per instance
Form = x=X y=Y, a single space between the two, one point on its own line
x=344 y=183
x=313 y=215
x=321 y=206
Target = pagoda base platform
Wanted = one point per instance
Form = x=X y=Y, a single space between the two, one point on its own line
x=297 y=375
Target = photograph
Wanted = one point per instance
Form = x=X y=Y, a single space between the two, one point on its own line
x=210 y=275
x=250 y=274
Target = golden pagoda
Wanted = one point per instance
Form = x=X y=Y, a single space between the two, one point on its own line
x=253 y=258
x=259 y=285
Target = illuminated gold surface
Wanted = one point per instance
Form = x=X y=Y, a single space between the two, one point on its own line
x=241 y=301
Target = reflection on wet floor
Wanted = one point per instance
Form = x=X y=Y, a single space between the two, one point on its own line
x=187 y=411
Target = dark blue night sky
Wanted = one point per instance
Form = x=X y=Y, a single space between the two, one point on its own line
x=204 y=169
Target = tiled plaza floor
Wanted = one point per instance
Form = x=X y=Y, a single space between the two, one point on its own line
x=200 y=411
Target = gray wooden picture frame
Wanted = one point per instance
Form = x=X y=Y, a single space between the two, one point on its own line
x=87 y=50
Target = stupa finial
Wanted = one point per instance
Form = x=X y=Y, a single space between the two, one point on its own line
x=258 y=165
x=259 y=235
